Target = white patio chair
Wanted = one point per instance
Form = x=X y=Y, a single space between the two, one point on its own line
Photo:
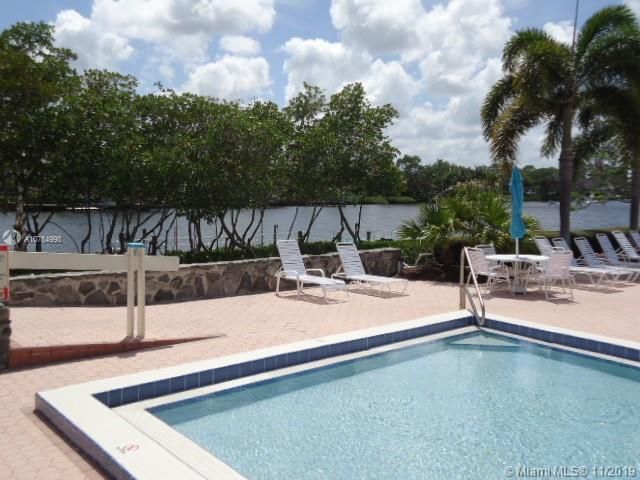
x=556 y=269
x=560 y=242
x=352 y=269
x=628 y=250
x=293 y=269
x=592 y=260
x=635 y=236
x=595 y=275
x=494 y=273
x=488 y=249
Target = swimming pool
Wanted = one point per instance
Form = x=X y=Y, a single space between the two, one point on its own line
x=435 y=397
x=464 y=407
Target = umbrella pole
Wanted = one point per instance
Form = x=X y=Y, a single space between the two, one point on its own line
x=517 y=247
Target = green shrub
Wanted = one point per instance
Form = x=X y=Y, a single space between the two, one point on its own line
x=399 y=200
x=446 y=253
x=376 y=200
x=410 y=250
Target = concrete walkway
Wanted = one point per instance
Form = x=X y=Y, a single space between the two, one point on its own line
x=31 y=450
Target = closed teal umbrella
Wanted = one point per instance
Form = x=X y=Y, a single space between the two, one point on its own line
x=516 y=187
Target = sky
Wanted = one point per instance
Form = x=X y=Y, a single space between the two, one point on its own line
x=433 y=60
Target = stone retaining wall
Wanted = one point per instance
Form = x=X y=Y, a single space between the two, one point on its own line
x=194 y=281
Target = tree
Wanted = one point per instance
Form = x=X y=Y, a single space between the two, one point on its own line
x=610 y=116
x=540 y=183
x=547 y=81
x=98 y=126
x=359 y=154
x=35 y=76
x=427 y=182
x=253 y=170
x=306 y=154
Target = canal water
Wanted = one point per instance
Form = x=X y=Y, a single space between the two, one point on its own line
x=377 y=221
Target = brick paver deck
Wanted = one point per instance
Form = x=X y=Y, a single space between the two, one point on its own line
x=29 y=449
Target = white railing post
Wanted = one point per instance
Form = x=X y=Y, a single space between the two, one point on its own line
x=462 y=302
x=131 y=268
x=136 y=264
x=142 y=291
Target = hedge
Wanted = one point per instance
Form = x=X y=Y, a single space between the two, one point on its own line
x=448 y=254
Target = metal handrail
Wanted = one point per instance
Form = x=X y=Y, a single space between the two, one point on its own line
x=464 y=291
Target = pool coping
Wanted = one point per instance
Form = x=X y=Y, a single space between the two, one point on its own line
x=205 y=462
x=84 y=412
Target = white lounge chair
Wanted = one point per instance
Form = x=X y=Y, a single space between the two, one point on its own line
x=544 y=245
x=556 y=269
x=594 y=261
x=481 y=266
x=612 y=256
x=293 y=269
x=628 y=250
x=353 y=270
x=595 y=275
x=635 y=236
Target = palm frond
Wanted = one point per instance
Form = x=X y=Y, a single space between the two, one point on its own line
x=546 y=69
x=553 y=135
x=498 y=97
x=612 y=57
x=602 y=23
x=517 y=46
x=507 y=130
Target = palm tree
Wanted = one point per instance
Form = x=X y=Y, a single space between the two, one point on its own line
x=545 y=82
x=610 y=116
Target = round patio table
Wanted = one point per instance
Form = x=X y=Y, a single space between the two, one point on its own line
x=520 y=264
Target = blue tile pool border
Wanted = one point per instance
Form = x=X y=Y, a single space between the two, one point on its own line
x=134 y=393
x=565 y=339
x=83 y=412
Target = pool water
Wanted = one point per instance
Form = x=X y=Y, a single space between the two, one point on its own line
x=464 y=407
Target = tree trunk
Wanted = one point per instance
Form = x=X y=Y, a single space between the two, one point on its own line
x=635 y=191
x=345 y=223
x=20 y=224
x=566 y=174
x=293 y=222
x=85 y=240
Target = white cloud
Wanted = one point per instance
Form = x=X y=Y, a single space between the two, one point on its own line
x=333 y=65
x=177 y=33
x=240 y=45
x=446 y=58
x=634 y=5
x=230 y=77
x=163 y=20
x=451 y=131
x=390 y=83
x=378 y=25
x=95 y=47
x=322 y=63
x=561 y=31
x=456 y=40
x=450 y=42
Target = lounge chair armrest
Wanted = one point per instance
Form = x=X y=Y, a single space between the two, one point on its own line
x=309 y=270
x=290 y=274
